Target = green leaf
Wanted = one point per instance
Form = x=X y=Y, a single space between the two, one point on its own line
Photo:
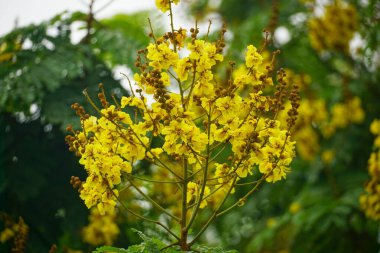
x=206 y=249
x=120 y=37
x=111 y=249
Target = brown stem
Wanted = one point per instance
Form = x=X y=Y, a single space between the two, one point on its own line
x=184 y=230
x=89 y=22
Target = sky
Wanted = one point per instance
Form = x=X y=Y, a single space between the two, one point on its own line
x=35 y=11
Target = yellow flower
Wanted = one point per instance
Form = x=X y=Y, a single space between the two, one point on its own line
x=163 y=5
x=132 y=101
x=182 y=69
x=155 y=152
x=7 y=234
x=294 y=208
x=370 y=200
x=204 y=89
x=102 y=229
x=161 y=56
x=180 y=37
x=328 y=156
x=193 y=192
x=271 y=222
x=375 y=127
x=252 y=57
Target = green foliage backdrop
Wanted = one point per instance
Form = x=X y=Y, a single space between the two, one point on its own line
x=43 y=72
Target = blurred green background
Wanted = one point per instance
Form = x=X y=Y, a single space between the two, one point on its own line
x=316 y=209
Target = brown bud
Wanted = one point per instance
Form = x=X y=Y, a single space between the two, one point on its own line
x=69 y=128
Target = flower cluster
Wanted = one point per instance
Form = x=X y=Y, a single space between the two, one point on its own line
x=106 y=151
x=313 y=114
x=335 y=28
x=316 y=120
x=202 y=118
x=344 y=114
x=195 y=118
x=370 y=200
x=102 y=229
x=18 y=231
x=164 y=5
x=11 y=227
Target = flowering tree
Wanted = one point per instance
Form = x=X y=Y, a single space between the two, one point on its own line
x=195 y=117
x=197 y=154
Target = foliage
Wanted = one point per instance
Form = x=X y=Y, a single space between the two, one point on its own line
x=123 y=31
x=153 y=245
x=43 y=67
x=329 y=172
x=42 y=72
